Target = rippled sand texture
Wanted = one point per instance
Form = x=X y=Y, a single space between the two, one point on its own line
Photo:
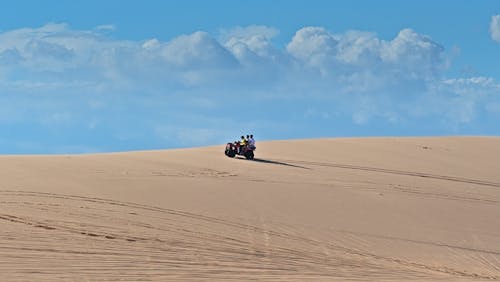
x=374 y=209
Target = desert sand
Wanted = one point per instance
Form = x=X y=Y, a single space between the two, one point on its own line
x=359 y=209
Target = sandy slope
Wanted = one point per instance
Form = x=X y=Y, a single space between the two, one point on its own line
x=376 y=209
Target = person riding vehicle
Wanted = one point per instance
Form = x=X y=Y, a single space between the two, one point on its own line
x=251 y=142
x=243 y=141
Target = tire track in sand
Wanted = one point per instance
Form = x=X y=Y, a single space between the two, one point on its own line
x=111 y=239
x=393 y=171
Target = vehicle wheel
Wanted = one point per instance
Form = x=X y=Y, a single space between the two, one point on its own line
x=231 y=153
x=249 y=155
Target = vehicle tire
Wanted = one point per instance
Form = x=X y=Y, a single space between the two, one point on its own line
x=249 y=155
x=230 y=153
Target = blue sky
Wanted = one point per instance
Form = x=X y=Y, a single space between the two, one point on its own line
x=96 y=76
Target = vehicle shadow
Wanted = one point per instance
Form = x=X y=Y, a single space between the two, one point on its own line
x=276 y=163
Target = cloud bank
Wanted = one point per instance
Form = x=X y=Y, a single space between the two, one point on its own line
x=55 y=48
x=198 y=88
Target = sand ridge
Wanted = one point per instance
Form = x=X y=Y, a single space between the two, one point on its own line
x=362 y=209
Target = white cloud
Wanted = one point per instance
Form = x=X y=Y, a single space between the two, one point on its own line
x=55 y=48
x=248 y=32
x=152 y=44
x=197 y=50
x=255 y=39
x=472 y=82
x=106 y=27
x=461 y=100
x=359 y=48
x=246 y=53
x=44 y=49
x=313 y=45
x=10 y=56
x=414 y=52
x=408 y=54
x=20 y=37
x=495 y=28
x=252 y=45
x=257 y=45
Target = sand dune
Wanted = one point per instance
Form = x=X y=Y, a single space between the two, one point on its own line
x=373 y=209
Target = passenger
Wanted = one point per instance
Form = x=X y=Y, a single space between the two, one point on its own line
x=251 y=142
x=243 y=141
x=237 y=146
